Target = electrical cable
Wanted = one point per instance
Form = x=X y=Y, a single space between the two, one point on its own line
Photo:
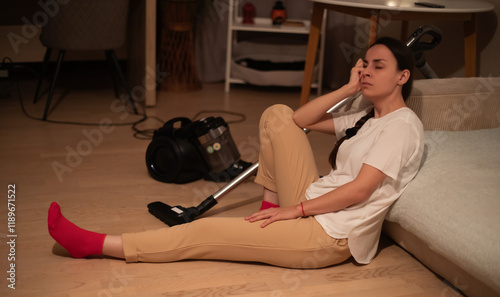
x=142 y=134
x=242 y=116
x=21 y=101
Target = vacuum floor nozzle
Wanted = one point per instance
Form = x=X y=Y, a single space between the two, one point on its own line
x=177 y=215
x=170 y=215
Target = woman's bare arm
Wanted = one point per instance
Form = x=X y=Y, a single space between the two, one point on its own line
x=313 y=115
x=354 y=192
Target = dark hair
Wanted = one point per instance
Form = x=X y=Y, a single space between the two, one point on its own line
x=405 y=60
x=404 y=57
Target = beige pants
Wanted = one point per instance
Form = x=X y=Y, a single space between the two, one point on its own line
x=286 y=166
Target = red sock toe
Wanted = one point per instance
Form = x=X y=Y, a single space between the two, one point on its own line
x=77 y=241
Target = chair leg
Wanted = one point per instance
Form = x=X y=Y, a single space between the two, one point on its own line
x=109 y=59
x=60 y=58
x=46 y=61
x=122 y=78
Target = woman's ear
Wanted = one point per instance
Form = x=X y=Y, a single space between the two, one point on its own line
x=404 y=77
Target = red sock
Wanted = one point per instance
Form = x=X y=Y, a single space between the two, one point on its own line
x=77 y=241
x=267 y=204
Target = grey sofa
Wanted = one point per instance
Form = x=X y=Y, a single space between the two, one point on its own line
x=449 y=216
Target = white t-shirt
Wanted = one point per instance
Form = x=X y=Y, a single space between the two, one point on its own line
x=393 y=144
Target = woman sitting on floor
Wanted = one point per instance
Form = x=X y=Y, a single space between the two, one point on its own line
x=305 y=221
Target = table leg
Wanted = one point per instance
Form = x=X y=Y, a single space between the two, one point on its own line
x=470 y=39
x=312 y=49
x=374 y=19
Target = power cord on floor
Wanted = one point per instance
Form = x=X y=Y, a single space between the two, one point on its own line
x=142 y=134
x=242 y=116
x=12 y=72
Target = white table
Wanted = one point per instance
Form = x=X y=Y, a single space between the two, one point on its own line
x=383 y=11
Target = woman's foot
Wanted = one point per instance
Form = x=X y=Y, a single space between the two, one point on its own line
x=77 y=241
x=267 y=204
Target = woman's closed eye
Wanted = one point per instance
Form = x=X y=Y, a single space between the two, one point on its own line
x=376 y=66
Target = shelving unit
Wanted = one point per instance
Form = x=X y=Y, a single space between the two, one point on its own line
x=265 y=25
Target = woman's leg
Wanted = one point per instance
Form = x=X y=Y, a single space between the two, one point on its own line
x=286 y=161
x=113 y=246
x=299 y=243
x=271 y=197
x=287 y=168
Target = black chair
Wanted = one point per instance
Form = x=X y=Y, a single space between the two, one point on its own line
x=86 y=25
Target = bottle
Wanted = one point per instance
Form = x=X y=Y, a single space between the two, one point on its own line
x=278 y=14
x=248 y=13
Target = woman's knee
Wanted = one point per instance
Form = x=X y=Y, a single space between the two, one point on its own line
x=277 y=110
x=276 y=116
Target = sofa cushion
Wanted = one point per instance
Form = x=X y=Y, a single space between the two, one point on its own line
x=453 y=204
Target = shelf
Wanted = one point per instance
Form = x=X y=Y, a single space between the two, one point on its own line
x=265 y=25
x=236 y=81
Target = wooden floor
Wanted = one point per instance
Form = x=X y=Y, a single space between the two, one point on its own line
x=98 y=176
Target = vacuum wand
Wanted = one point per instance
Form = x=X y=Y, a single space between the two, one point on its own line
x=179 y=215
x=253 y=168
x=236 y=181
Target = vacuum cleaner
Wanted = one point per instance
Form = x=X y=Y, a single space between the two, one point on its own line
x=183 y=151
x=176 y=215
